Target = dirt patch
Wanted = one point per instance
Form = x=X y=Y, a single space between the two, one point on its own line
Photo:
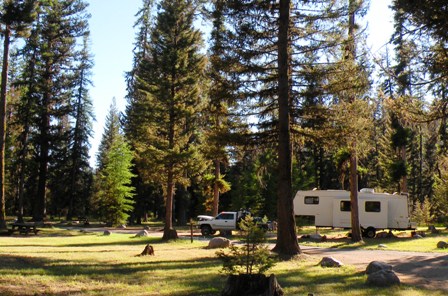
x=425 y=269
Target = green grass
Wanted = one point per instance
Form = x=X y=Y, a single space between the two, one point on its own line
x=401 y=242
x=62 y=262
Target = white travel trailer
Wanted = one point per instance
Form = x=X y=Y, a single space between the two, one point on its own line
x=331 y=208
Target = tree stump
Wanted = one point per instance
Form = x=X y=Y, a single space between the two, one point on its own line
x=253 y=285
x=149 y=250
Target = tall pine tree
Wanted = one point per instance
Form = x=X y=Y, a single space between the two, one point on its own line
x=16 y=16
x=113 y=190
x=169 y=81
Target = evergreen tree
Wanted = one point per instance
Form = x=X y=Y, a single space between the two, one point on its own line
x=16 y=16
x=26 y=109
x=113 y=191
x=267 y=86
x=111 y=130
x=221 y=101
x=63 y=22
x=169 y=81
x=146 y=196
x=80 y=174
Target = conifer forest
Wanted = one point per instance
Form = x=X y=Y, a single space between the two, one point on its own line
x=231 y=104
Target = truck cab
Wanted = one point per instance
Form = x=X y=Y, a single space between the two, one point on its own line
x=224 y=222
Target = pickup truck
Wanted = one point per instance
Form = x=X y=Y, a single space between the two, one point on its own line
x=225 y=222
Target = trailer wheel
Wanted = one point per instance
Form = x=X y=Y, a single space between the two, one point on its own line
x=370 y=232
x=206 y=230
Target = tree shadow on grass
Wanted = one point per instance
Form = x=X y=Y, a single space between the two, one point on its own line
x=313 y=279
x=186 y=274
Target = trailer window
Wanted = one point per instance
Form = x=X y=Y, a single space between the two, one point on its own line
x=345 y=206
x=373 y=206
x=311 y=200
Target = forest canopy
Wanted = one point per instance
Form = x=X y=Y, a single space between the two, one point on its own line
x=275 y=97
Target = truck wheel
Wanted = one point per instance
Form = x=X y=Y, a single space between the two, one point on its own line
x=206 y=230
x=370 y=232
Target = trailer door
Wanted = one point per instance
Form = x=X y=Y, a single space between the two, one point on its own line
x=373 y=213
x=341 y=213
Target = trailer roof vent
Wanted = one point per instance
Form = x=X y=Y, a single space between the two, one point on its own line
x=367 y=190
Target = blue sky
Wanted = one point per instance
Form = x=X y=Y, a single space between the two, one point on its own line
x=112 y=38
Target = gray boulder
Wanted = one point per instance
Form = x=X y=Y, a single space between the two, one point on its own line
x=218 y=243
x=375 y=266
x=383 y=278
x=106 y=232
x=442 y=245
x=317 y=237
x=330 y=262
x=142 y=233
x=122 y=226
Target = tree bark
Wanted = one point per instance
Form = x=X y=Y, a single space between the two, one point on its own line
x=287 y=243
x=6 y=44
x=44 y=128
x=168 y=232
x=351 y=54
x=216 y=188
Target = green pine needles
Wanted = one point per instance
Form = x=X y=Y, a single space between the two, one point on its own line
x=253 y=257
x=113 y=189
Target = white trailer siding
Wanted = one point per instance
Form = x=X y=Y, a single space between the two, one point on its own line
x=331 y=208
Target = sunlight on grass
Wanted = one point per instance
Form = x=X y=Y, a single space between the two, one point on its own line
x=62 y=262
x=402 y=242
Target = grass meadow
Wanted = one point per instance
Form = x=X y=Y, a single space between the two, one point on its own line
x=68 y=262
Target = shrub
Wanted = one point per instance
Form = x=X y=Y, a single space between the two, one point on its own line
x=253 y=257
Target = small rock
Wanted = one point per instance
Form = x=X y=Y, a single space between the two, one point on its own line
x=317 y=237
x=383 y=278
x=330 y=262
x=442 y=245
x=122 y=226
x=106 y=232
x=382 y=246
x=218 y=242
x=375 y=266
x=417 y=236
x=142 y=233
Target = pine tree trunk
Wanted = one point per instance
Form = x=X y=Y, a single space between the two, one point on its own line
x=216 y=188
x=404 y=179
x=168 y=232
x=356 y=229
x=287 y=243
x=4 y=82
x=40 y=199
